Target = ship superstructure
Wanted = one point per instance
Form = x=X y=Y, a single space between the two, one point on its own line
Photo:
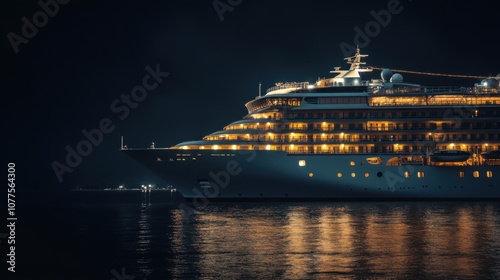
x=347 y=137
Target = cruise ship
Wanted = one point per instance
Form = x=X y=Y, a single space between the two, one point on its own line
x=346 y=137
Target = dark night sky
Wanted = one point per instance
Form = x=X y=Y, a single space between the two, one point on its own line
x=66 y=77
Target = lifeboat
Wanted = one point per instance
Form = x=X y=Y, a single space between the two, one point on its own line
x=491 y=154
x=450 y=156
x=374 y=160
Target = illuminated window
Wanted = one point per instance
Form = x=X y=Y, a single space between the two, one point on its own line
x=407 y=174
x=367 y=174
x=215 y=147
x=462 y=174
x=353 y=174
x=234 y=147
x=489 y=174
x=475 y=174
x=339 y=175
x=302 y=162
x=420 y=174
x=311 y=174
x=353 y=163
x=268 y=147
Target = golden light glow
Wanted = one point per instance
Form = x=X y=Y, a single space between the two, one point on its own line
x=234 y=147
x=302 y=162
x=268 y=147
x=185 y=147
x=339 y=175
x=215 y=147
x=311 y=174
x=203 y=147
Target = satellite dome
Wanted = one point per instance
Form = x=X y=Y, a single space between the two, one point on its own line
x=490 y=82
x=387 y=74
x=397 y=78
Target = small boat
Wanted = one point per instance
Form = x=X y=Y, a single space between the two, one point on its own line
x=491 y=154
x=374 y=160
x=450 y=156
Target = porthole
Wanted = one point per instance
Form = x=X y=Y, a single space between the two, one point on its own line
x=367 y=174
x=353 y=163
x=489 y=174
x=407 y=174
x=311 y=174
x=302 y=162
x=353 y=174
x=475 y=174
x=339 y=175
x=420 y=174
x=379 y=174
x=462 y=174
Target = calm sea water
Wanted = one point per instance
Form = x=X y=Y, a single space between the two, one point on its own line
x=130 y=235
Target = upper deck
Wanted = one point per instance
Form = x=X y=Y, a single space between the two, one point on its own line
x=347 y=90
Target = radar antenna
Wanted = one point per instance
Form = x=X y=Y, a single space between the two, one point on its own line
x=355 y=60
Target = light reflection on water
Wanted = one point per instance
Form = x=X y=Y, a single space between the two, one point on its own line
x=336 y=240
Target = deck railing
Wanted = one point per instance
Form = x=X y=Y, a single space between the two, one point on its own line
x=293 y=85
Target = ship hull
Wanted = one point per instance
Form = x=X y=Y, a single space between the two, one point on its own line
x=278 y=175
